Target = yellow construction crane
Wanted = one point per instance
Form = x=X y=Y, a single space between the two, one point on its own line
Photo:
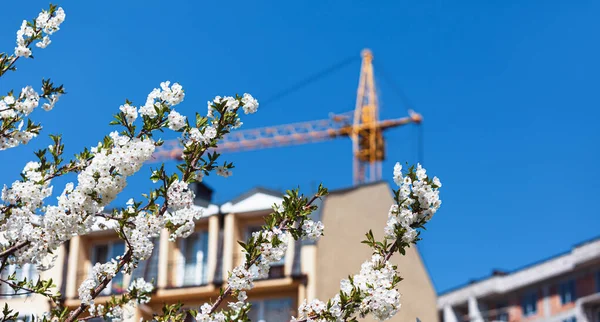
x=362 y=126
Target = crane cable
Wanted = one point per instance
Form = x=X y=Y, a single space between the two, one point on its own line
x=309 y=80
x=407 y=104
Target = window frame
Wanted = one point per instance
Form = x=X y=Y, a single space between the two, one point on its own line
x=201 y=269
x=525 y=298
x=567 y=291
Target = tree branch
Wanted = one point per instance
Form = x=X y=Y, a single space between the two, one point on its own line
x=73 y=316
x=13 y=249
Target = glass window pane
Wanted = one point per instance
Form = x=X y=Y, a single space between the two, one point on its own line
x=117 y=283
x=195 y=252
x=255 y=312
x=278 y=310
x=100 y=254
x=204 y=260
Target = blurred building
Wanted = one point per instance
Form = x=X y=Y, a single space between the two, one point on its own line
x=192 y=270
x=564 y=288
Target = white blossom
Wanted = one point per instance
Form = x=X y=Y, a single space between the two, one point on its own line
x=172 y=95
x=312 y=230
x=50 y=24
x=240 y=278
x=406 y=215
x=44 y=42
x=250 y=104
x=130 y=112
x=183 y=219
x=398 y=174
x=147 y=226
x=223 y=172
x=176 y=121
x=51 y=102
x=179 y=195
x=142 y=286
x=149 y=109
x=99 y=273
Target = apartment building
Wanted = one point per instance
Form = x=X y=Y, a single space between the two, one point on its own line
x=192 y=270
x=564 y=288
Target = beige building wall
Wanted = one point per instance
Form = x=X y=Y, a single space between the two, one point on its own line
x=347 y=216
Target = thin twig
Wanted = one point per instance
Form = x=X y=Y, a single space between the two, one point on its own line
x=14 y=248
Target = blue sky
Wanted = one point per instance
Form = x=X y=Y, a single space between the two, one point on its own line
x=508 y=91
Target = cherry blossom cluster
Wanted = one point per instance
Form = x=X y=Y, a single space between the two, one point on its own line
x=419 y=201
x=142 y=288
x=15 y=128
x=106 y=176
x=146 y=227
x=42 y=27
x=249 y=105
x=168 y=94
x=14 y=109
x=180 y=195
x=273 y=245
x=313 y=229
x=374 y=285
x=98 y=274
x=182 y=215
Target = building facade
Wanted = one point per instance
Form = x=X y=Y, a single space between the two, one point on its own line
x=192 y=270
x=565 y=288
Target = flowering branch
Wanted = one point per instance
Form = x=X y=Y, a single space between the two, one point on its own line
x=373 y=290
x=13 y=110
x=101 y=286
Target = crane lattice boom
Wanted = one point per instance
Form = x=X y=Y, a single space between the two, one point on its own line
x=362 y=125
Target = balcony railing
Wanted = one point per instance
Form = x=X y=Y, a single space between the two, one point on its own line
x=185 y=274
x=496 y=315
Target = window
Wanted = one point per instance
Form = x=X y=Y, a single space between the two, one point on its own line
x=529 y=304
x=102 y=254
x=148 y=269
x=571 y=319
x=194 y=266
x=502 y=311
x=27 y=271
x=567 y=291
x=277 y=268
x=274 y=310
x=598 y=283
